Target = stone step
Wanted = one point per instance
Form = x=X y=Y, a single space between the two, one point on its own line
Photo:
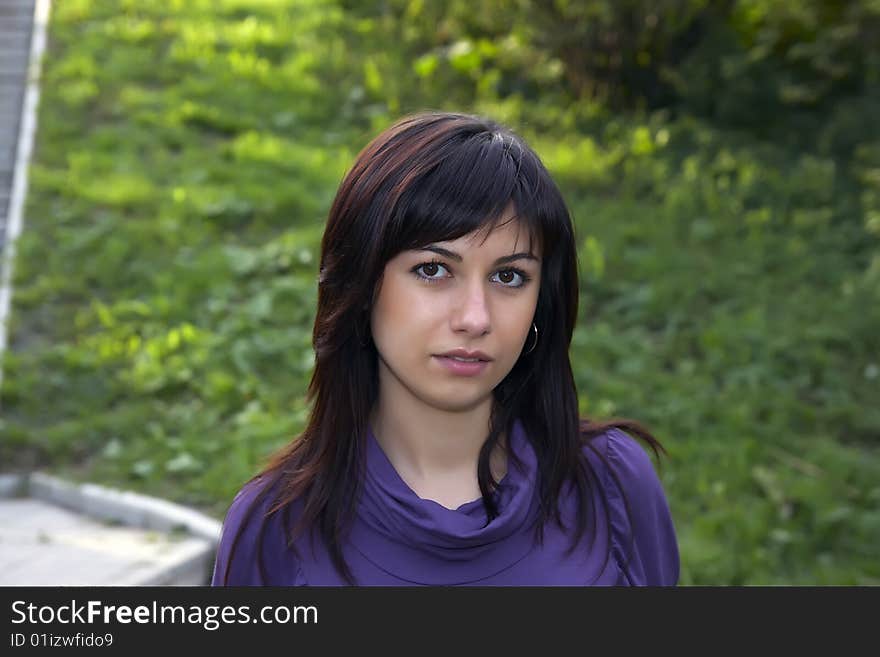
x=8 y=54
x=17 y=77
x=13 y=9
x=8 y=48
x=6 y=162
x=11 y=38
x=7 y=157
x=13 y=79
x=9 y=131
x=15 y=22
x=8 y=89
x=10 y=96
x=18 y=39
x=17 y=69
x=9 y=108
x=9 y=126
x=17 y=61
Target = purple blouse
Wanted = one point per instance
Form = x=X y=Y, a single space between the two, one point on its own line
x=400 y=539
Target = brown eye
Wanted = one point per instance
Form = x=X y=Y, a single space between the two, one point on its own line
x=427 y=271
x=508 y=278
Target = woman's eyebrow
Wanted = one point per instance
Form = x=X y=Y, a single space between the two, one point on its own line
x=454 y=256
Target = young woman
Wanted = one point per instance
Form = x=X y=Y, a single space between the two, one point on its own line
x=444 y=444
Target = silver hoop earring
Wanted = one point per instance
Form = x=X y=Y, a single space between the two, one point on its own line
x=535 y=327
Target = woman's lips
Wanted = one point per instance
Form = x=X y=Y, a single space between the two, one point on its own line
x=462 y=368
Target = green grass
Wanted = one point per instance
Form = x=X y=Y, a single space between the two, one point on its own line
x=165 y=284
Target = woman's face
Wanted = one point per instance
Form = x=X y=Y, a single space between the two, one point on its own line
x=477 y=297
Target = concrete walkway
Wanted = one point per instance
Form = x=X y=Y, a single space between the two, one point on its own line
x=45 y=545
x=59 y=533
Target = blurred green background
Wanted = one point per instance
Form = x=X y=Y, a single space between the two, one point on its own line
x=721 y=160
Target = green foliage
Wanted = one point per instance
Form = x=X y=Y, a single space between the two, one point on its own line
x=188 y=153
x=772 y=67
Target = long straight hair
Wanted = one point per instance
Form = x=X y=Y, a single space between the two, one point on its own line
x=435 y=176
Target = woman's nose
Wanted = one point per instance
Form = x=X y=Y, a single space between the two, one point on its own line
x=472 y=311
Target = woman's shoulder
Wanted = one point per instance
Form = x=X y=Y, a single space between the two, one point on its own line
x=622 y=459
x=643 y=534
x=249 y=548
x=251 y=502
x=259 y=488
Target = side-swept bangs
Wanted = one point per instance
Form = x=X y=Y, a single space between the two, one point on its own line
x=463 y=181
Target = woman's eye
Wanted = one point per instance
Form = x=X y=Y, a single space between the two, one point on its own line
x=509 y=276
x=430 y=270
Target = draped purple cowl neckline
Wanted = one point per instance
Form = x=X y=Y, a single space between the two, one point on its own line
x=424 y=542
x=398 y=538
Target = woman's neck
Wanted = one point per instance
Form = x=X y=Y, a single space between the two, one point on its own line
x=436 y=451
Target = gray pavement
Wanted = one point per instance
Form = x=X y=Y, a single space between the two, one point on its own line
x=58 y=533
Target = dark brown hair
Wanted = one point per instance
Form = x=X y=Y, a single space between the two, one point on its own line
x=435 y=177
